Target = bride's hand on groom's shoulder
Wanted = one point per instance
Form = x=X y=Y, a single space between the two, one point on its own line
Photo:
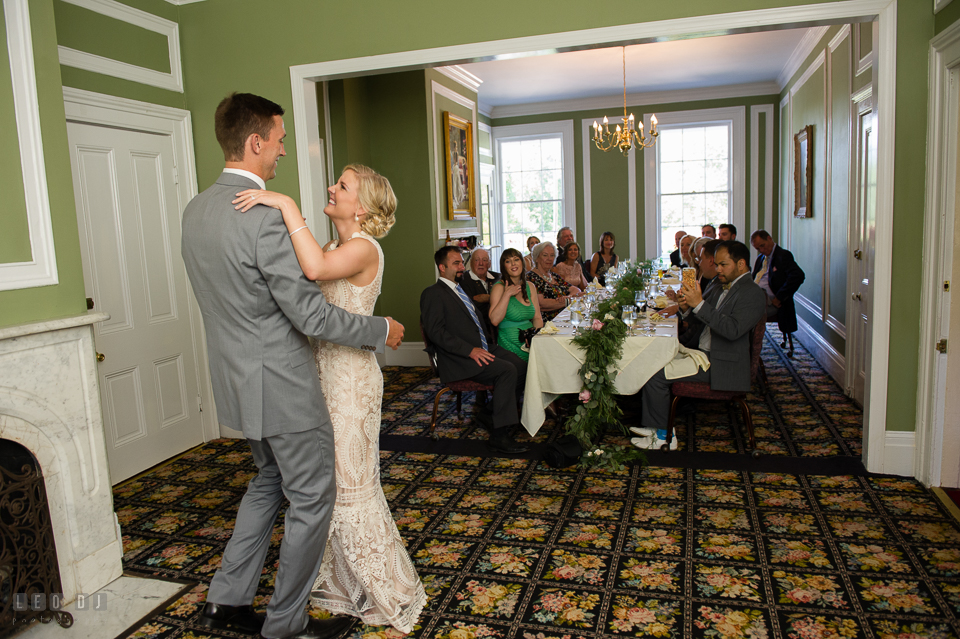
x=394 y=334
x=251 y=197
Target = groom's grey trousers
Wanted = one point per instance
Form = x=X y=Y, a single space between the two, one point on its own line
x=296 y=465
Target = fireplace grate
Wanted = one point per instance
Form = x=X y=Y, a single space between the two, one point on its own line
x=29 y=577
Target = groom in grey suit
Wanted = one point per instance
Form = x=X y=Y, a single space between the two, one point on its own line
x=258 y=309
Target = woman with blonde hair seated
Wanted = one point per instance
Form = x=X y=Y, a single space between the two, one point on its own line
x=552 y=291
x=532 y=241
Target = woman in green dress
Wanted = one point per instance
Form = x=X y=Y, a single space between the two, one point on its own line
x=513 y=303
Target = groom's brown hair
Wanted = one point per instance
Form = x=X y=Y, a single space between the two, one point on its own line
x=240 y=115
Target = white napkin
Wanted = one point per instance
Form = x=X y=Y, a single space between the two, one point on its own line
x=549 y=329
x=685 y=363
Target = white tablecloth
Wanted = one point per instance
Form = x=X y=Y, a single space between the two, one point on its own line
x=554 y=367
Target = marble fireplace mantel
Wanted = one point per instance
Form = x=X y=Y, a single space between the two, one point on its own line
x=50 y=403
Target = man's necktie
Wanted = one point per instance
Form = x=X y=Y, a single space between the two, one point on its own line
x=473 y=313
x=763 y=269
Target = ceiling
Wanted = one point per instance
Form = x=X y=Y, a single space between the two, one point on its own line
x=741 y=59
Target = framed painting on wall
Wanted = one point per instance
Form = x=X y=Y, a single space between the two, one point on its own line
x=803 y=172
x=461 y=175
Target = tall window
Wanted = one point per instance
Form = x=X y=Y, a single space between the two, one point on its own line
x=531 y=173
x=695 y=185
x=694 y=175
x=535 y=182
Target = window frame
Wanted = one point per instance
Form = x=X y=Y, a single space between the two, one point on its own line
x=517 y=132
x=735 y=117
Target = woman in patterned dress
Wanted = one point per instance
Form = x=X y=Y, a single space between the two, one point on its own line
x=366 y=571
x=513 y=305
x=552 y=292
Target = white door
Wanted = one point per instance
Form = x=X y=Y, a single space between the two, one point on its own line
x=863 y=228
x=128 y=211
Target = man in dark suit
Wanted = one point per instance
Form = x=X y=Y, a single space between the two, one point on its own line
x=477 y=281
x=725 y=338
x=675 y=258
x=258 y=309
x=464 y=349
x=778 y=274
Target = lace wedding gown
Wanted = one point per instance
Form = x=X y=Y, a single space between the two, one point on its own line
x=366 y=571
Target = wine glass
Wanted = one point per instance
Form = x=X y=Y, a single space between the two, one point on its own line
x=576 y=320
x=629 y=318
x=639 y=297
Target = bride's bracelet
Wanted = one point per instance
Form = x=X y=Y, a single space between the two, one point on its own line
x=297 y=230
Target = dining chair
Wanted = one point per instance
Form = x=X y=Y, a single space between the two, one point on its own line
x=459 y=387
x=702 y=390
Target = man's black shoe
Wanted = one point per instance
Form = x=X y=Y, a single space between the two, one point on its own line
x=502 y=441
x=329 y=628
x=240 y=618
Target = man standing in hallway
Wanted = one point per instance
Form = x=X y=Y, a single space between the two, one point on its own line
x=778 y=274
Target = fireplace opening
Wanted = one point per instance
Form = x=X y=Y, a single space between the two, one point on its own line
x=30 y=587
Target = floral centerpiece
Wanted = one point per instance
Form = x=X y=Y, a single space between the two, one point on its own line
x=602 y=341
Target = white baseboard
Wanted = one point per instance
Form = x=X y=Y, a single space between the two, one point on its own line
x=822 y=351
x=899 y=453
x=409 y=354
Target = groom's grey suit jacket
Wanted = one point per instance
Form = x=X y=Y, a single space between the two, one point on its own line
x=258 y=309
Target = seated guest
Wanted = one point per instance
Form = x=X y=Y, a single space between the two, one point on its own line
x=604 y=259
x=553 y=292
x=709 y=230
x=478 y=280
x=728 y=232
x=464 y=350
x=778 y=274
x=686 y=259
x=564 y=237
x=725 y=338
x=532 y=241
x=703 y=250
x=513 y=304
x=570 y=269
x=675 y=256
x=710 y=288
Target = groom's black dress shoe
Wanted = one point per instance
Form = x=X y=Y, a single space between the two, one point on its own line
x=241 y=618
x=323 y=628
x=503 y=442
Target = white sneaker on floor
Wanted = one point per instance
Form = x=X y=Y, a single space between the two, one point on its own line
x=643 y=443
x=660 y=442
x=643 y=432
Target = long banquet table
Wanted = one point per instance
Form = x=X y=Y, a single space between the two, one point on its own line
x=554 y=366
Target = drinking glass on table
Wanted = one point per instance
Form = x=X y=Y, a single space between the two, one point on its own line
x=629 y=318
x=576 y=320
x=639 y=297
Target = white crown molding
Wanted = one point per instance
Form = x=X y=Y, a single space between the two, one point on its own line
x=41 y=270
x=461 y=76
x=636 y=99
x=182 y=2
x=172 y=81
x=938 y=5
x=804 y=48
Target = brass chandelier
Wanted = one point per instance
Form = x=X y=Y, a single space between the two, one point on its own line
x=627 y=135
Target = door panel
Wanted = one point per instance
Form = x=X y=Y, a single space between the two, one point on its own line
x=861 y=264
x=129 y=218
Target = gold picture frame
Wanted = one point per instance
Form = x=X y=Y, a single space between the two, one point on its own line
x=803 y=172
x=461 y=174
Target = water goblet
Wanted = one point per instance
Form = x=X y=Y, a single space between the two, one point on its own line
x=576 y=320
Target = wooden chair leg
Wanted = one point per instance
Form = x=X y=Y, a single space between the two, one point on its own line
x=436 y=408
x=748 y=420
x=670 y=419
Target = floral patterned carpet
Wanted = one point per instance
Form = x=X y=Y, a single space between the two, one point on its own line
x=511 y=548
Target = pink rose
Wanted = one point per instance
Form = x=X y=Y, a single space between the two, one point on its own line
x=597 y=325
x=584 y=396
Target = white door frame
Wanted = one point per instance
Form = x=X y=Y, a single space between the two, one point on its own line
x=943 y=109
x=303 y=79
x=87 y=107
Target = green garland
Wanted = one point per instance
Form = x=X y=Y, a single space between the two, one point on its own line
x=603 y=344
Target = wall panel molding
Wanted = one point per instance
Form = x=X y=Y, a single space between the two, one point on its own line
x=440 y=182
x=41 y=270
x=828 y=357
x=828 y=318
x=755 y=171
x=172 y=81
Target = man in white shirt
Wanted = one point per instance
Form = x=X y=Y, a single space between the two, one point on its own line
x=477 y=282
x=725 y=339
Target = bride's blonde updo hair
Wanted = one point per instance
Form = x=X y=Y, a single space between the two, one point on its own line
x=377 y=199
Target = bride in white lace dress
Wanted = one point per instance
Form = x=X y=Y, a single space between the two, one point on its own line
x=366 y=571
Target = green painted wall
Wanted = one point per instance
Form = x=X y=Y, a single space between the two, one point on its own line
x=949 y=15
x=67 y=297
x=81 y=29
x=15 y=239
